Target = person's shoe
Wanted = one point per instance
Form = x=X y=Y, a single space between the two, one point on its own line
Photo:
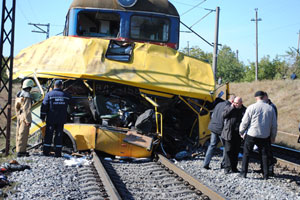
x=222 y=166
x=273 y=161
x=235 y=171
x=206 y=167
x=57 y=155
x=227 y=171
x=266 y=177
x=20 y=154
x=242 y=175
x=46 y=154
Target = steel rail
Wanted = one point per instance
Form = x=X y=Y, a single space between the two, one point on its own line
x=289 y=165
x=190 y=179
x=108 y=184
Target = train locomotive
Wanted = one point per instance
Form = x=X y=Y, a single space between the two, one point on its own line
x=134 y=93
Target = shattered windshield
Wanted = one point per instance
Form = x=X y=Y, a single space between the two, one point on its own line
x=98 y=24
x=149 y=28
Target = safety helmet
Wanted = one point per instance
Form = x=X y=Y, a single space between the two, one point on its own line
x=27 y=83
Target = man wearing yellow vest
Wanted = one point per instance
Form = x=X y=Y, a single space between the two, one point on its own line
x=23 y=112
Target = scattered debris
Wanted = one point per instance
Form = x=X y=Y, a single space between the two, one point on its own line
x=76 y=162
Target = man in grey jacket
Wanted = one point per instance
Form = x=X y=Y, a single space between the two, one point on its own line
x=260 y=123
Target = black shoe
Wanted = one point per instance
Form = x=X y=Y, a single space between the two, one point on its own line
x=23 y=154
x=227 y=171
x=242 y=175
x=207 y=167
x=273 y=161
x=222 y=166
x=266 y=177
x=57 y=155
x=20 y=154
x=46 y=154
x=235 y=171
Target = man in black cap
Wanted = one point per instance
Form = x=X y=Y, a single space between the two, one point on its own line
x=260 y=123
x=54 y=109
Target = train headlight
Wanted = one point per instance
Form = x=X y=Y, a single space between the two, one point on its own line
x=127 y=3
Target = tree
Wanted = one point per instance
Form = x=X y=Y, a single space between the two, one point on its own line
x=229 y=68
x=293 y=61
x=267 y=69
x=282 y=68
x=196 y=52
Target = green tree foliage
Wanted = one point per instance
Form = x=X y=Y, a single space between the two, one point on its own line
x=196 y=52
x=267 y=69
x=232 y=70
x=294 y=61
x=229 y=68
x=282 y=68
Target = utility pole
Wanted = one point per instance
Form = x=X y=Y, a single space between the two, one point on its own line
x=7 y=36
x=41 y=30
x=215 y=53
x=256 y=63
x=298 y=44
x=237 y=55
x=188 y=47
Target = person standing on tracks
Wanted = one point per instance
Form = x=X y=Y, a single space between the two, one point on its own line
x=24 y=119
x=216 y=126
x=271 y=160
x=232 y=115
x=260 y=123
x=54 y=110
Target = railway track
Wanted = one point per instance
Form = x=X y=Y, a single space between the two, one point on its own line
x=287 y=158
x=146 y=179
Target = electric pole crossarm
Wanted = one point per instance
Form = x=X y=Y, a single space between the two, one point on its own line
x=41 y=30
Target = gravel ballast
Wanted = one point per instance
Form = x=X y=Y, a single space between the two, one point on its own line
x=49 y=178
x=283 y=185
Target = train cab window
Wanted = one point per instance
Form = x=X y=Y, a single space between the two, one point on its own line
x=149 y=28
x=98 y=24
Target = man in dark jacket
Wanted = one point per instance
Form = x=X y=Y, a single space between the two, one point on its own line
x=216 y=126
x=54 y=109
x=271 y=160
x=232 y=115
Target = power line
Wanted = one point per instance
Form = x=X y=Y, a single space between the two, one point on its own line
x=193 y=8
x=31 y=8
x=196 y=34
x=183 y=3
x=202 y=18
x=19 y=8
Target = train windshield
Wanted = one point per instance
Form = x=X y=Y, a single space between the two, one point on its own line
x=98 y=24
x=149 y=28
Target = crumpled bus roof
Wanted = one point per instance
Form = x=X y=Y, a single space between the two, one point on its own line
x=151 y=67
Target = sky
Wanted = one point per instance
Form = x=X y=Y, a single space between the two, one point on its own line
x=277 y=32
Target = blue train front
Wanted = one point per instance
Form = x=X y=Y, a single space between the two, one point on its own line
x=153 y=21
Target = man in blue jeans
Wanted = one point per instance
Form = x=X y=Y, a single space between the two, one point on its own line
x=216 y=126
